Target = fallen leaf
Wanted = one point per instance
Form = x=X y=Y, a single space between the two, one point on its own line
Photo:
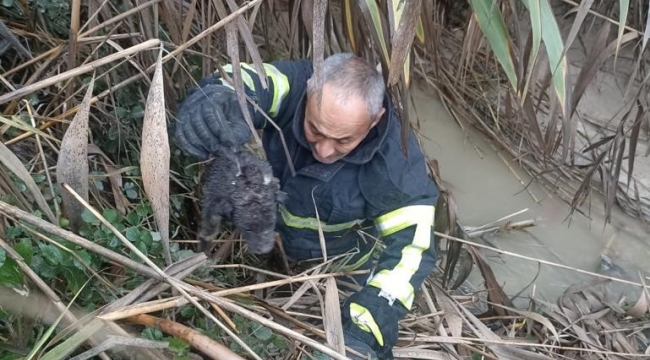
x=642 y=305
x=453 y=318
x=495 y=293
x=534 y=316
x=154 y=156
x=72 y=164
x=11 y=161
x=332 y=318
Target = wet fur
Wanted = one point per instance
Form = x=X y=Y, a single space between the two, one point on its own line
x=239 y=187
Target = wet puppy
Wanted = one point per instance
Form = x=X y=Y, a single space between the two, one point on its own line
x=240 y=188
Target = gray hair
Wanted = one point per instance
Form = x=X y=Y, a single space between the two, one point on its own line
x=352 y=76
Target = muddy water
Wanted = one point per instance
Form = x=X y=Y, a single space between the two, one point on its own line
x=486 y=189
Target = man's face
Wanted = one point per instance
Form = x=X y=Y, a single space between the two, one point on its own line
x=336 y=129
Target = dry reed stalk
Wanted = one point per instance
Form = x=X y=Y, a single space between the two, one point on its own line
x=152 y=287
x=201 y=342
x=221 y=23
x=78 y=71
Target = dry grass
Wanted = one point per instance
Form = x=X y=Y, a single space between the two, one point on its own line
x=116 y=52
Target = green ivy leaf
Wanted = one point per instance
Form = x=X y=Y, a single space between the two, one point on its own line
x=39 y=178
x=75 y=279
x=152 y=334
x=143 y=209
x=51 y=253
x=131 y=194
x=132 y=234
x=146 y=237
x=133 y=218
x=263 y=333
x=86 y=257
x=182 y=254
x=10 y=273
x=13 y=232
x=111 y=215
x=25 y=250
x=3 y=257
x=142 y=247
x=113 y=242
x=89 y=218
x=178 y=346
x=188 y=312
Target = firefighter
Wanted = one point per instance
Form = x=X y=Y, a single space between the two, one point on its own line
x=351 y=171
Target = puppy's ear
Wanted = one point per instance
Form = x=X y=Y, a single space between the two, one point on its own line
x=281 y=196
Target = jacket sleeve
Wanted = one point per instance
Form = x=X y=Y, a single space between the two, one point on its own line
x=403 y=209
x=286 y=81
x=401 y=200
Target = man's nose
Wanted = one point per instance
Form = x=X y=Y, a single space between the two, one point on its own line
x=325 y=149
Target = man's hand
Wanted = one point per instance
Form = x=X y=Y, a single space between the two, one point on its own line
x=209 y=116
x=370 y=322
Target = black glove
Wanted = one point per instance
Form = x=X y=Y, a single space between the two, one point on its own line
x=208 y=117
x=370 y=319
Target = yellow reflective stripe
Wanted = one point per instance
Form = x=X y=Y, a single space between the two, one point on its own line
x=280 y=86
x=364 y=320
x=280 y=83
x=246 y=77
x=404 y=217
x=361 y=261
x=395 y=284
x=312 y=223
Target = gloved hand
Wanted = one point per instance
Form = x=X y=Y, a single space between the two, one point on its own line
x=359 y=346
x=210 y=116
x=370 y=321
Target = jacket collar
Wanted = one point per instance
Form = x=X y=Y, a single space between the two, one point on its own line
x=364 y=152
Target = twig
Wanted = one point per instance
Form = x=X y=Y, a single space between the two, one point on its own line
x=252 y=268
x=538 y=260
x=468 y=228
x=201 y=342
x=511 y=226
x=158 y=305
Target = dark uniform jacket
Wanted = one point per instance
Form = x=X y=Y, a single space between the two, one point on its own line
x=377 y=183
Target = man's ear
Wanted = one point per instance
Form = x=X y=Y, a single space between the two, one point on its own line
x=375 y=121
